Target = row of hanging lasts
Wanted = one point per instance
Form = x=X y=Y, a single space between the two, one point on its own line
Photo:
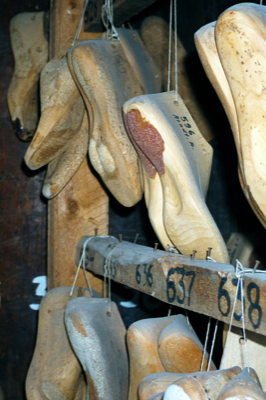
x=83 y=351
x=83 y=91
x=162 y=151
x=158 y=147
x=105 y=74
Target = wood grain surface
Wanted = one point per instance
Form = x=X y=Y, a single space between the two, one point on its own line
x=198 y=285
x=82 y=205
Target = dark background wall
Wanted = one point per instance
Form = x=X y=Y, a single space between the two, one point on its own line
x=22 y=229
x=23 y=210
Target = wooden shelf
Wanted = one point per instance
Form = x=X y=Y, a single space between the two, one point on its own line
x=202 y=286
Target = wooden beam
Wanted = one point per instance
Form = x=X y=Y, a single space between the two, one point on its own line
x=202 y=286
x=124 y=10
x=82 y=205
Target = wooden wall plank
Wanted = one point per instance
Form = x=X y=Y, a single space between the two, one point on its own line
x=82 y=205
x=198 y=285
x=124 y=10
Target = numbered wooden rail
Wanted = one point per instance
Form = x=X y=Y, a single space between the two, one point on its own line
x=202 y=286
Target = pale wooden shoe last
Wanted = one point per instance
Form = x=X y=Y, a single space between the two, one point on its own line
x=110 y=150
x=243 y=386
x=62 y=111
x=98 y=340
x=142 y=342
x=182 y=158
x=153 y=193
x=201 y=385
x=150 y=79
x=62 y=169
x=55 y=371
x=240 y=38
x=180 y=349
x=207 y=50
x=30 y=49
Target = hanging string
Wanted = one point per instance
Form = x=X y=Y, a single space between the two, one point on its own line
x=187 y=318
x=108 y=20
x=213 y=344
x=243 y=321
x=82 y=261
x=205 y=344
x=176 y=76
x=261 y=2
x=170 y=45
x=239 y=275
x=80 y=22
x=231 y=321
x=109 y=284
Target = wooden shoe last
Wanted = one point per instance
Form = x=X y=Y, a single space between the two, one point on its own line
x=149 y=77
x=180 y=349
x=30 y=49
x=98 y=339
x=142 y=342
x=208 y=53
x=200 y=386
x=153 y=193
x=55 y=372
x=107 y=81
x=182 y=158
x=240 y=38
x=61 y=169
x=243 y=386
x=62 y=112
x=156 y=383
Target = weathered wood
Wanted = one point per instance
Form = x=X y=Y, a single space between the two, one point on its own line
x=82 y=205
x=64 y=19
x=203 y=286
x=124 y=10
